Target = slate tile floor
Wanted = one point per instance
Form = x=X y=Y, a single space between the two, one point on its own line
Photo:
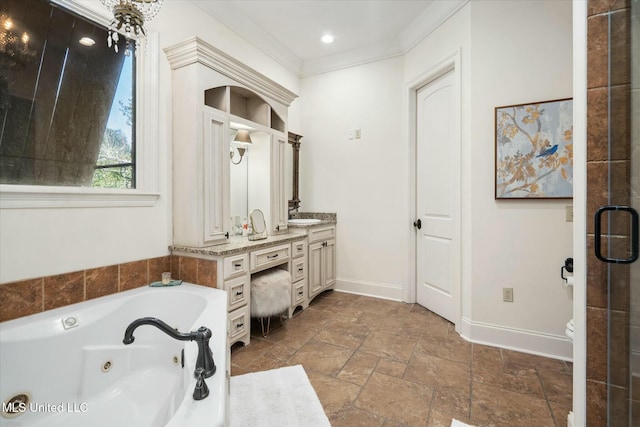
x=379 y=363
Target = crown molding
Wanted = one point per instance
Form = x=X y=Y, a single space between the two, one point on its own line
x=255 y=35
x=428 y=21
x=195 y=50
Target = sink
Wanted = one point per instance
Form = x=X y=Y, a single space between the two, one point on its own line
x=304 y=221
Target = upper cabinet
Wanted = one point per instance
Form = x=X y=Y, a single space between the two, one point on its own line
x=244 y=104
x=214 y=97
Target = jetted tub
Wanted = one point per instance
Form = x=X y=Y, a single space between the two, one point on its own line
x=71 y=365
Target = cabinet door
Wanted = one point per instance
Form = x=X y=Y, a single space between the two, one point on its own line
x=316 y=267
x=329 y=258
x=279 y=213
x=216 y=177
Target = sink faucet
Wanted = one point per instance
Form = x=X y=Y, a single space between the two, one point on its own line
x=205 y=366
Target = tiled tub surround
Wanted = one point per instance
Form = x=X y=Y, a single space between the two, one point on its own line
x=25 y=297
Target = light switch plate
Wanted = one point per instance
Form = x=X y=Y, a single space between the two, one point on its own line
x=568 y=213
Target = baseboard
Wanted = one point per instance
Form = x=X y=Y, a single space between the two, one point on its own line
x=548 y=345
x=371 y=289
x=570 y=419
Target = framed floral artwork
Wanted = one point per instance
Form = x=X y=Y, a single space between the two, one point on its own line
x=534 y=150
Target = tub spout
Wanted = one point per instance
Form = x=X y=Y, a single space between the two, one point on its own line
x=200 y=336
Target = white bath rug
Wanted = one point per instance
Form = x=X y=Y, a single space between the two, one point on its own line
x=456 y=423
x=280 y=397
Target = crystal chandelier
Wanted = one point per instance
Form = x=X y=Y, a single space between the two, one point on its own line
x=129 y=17
x=14 y=47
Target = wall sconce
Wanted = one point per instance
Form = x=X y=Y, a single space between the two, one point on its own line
x=242 y=137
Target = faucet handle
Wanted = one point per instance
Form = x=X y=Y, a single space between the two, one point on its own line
x=201 y=391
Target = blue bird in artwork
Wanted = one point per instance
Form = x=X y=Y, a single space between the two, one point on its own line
x=549 y=151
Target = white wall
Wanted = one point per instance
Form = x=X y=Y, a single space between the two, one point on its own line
x=40 y=242
x=518 y=244
x=364 y=181
x=520 y=52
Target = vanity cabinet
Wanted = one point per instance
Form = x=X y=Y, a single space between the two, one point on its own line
x=299 y=292
x=213 y=96
x=239 y=259
x=322 y=259
x=279 y=203
x=236 y=281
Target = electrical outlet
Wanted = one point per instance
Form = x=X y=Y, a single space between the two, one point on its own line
x=507 y=294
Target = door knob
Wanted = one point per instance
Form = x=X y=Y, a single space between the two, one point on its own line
x=417 y=223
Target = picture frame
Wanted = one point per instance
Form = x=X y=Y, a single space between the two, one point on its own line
x=534 y=150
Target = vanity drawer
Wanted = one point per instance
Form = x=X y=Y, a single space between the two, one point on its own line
x=270 y=257
x=298 y=268
x=298 y=249
x=239 y=323
x=298 y=292
x=238 y=291
x=325 y=233
x=236 y=265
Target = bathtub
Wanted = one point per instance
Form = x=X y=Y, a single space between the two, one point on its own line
x=71 y=365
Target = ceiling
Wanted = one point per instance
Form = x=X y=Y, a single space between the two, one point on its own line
x=289 y=31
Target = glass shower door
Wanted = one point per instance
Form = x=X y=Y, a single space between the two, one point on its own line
x=634 y=273
x=616 y=224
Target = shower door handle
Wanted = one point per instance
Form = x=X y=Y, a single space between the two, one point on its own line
x=634 y=235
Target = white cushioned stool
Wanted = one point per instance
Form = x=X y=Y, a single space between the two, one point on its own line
x=270 y=295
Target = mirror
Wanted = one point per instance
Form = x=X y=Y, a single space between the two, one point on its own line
x=293 y=173
x=258 y=226
x=250 y=176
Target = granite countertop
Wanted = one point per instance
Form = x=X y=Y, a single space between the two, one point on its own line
x=238 y=244
x=325 y=219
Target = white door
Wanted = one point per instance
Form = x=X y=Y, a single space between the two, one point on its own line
x=437 y=198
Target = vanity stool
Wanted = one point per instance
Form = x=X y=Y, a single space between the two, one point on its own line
x=270 y=295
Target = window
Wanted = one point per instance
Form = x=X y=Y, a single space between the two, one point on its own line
x=67 y=102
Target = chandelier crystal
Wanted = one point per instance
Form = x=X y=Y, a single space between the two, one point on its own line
x=14 y=43
x=129 y=17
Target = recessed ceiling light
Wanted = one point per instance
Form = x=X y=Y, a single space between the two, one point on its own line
x=327 y=38
x=87 y=41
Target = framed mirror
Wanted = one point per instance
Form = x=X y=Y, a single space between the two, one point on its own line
x=294 y=165
x=258 y=225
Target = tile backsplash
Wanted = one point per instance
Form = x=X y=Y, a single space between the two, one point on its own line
x=25 y=297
